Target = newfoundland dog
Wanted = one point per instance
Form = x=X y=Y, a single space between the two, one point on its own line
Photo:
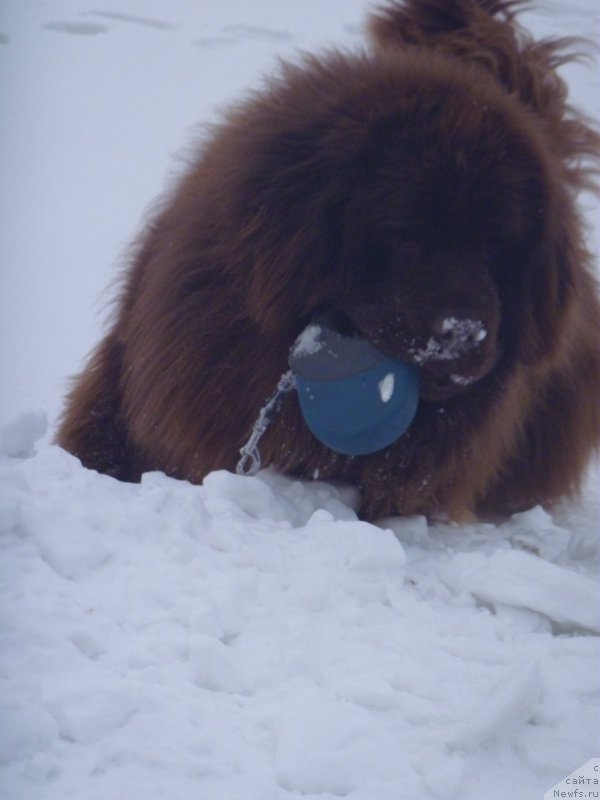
x=431 y=178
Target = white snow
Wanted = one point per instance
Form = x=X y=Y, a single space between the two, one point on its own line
x=560 y=594
x=462 y=380
x=309 y=342
x=251 y=638
x=248 y=639
x=464 y=329
x=456 y=336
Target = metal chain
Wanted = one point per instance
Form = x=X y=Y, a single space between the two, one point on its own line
x=249 y=463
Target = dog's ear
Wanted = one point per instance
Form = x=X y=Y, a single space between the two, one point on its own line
x=293 y=235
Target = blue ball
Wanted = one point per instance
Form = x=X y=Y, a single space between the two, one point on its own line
x=354 y=399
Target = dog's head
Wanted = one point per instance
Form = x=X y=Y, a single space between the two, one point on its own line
x=443 y=233
x=423 y=208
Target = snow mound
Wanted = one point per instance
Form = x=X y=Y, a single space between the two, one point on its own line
x=251 y=638
x=17 y=439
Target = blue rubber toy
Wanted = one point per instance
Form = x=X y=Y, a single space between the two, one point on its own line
x=354 y=398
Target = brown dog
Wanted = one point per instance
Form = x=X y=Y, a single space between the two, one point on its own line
x=432 y=179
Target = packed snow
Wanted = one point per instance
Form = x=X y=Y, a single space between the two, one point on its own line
x=309 y=342
x=248 y=639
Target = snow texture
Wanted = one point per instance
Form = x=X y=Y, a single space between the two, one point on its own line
x=456 y=337
x=309 y=342
x=249 y=639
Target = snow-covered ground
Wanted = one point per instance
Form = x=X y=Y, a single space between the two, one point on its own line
x=248 y=639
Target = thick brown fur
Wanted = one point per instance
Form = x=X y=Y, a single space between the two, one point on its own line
x=433 y=177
